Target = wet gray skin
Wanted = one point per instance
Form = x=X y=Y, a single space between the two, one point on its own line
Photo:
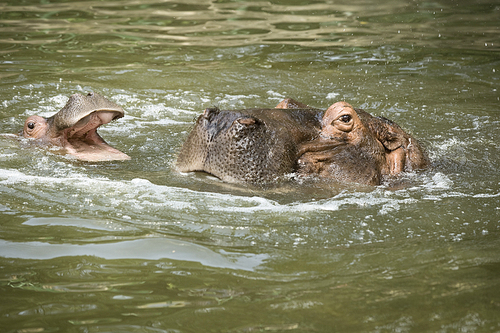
x=74 y=128
x=248 y=145
x=261 y=145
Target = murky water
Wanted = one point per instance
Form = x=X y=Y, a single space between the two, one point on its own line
x=136 y=247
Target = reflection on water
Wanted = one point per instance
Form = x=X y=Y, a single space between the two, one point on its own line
x=135 y=246
x=127 y=249
x=224 y=23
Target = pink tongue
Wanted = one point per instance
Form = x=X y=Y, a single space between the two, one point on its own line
x=90 y=122
x=92 y=148
x=84 y=143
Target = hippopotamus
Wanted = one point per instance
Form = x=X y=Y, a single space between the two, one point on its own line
x=341 y=144
x=74 y=128
x=355 y=146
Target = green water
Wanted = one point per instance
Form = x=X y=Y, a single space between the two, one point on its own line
x=136 y=247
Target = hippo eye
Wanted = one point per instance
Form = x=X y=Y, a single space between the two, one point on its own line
x=90 y=94
x=31 y=125
x=345 y=118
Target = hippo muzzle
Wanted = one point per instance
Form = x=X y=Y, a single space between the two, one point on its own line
x=255 y=145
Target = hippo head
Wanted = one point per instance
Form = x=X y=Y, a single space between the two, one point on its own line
x=354 y=146
x=74 y=128
x=255 y=145
x=346 y=149
x=260 y=145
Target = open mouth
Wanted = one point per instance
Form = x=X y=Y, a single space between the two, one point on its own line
x=83 y=141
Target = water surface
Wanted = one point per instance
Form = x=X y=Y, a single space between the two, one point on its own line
x=136 y=247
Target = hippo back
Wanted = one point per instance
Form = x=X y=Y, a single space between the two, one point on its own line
x=253 y=145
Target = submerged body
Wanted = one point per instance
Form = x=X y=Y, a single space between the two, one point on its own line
x=74 y=128
x=261 y=145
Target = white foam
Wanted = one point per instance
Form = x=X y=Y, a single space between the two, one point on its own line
x=275 y=95
x=77 y=222
x=440 y=181
x=141 y=194
x=332 y=95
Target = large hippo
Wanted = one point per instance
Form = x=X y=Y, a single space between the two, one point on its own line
x=74 y=128
x=262 y=145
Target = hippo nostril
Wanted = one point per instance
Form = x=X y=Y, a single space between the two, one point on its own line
x=246 y=121
x=90 y=94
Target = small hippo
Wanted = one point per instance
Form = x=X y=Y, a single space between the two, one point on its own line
x=262 y=145
x=74 y=128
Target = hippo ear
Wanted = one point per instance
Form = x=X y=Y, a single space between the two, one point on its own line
x=387 y=132
x=393 y=141
x=210 y=113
